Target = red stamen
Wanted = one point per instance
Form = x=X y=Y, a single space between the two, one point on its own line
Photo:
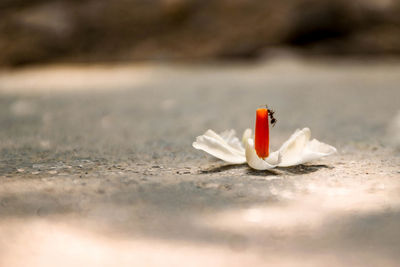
x=262 y=133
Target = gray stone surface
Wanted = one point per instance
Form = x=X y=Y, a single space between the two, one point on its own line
x=97 y=168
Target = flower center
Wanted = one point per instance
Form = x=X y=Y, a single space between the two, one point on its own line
x=262 y=133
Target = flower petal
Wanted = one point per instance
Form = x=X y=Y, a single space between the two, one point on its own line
x=258 y=163
x=298 y=149
x=246 y=135
x=230 y=138
x=225 y=146
x=316 y=149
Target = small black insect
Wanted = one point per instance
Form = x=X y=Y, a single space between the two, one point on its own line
x=271 y=113
x=271 y=116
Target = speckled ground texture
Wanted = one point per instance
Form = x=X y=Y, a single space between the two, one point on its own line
x=97 y=167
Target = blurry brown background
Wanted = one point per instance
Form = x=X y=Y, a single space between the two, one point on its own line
x=37 y=31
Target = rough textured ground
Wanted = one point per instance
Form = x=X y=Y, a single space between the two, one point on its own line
x=97 y=168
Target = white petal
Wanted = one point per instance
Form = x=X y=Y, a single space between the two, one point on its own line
x=246 y=135
x=298 y=149
x=316 y=149
x=258 y=163
x=225 y=146
x=230 y=138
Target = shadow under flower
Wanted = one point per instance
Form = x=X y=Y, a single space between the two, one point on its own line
x=222 y=168
x=303 y=169
x=298 y=169
x=262 y=173
x=249 y=171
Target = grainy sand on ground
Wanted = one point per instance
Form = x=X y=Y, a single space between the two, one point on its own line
x=97 y=168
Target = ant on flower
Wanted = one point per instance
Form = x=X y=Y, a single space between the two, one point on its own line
x=271 y=113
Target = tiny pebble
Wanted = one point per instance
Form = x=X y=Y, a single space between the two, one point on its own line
x=100 y=191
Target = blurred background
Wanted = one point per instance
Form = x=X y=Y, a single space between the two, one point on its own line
x=38 y=31
x=101 y=100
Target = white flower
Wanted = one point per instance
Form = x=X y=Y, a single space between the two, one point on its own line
x=225 y=146
x=298 y=149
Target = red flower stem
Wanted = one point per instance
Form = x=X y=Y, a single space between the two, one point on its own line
x=262 y=133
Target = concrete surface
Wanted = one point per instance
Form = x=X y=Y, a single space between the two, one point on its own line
x=97 y=168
